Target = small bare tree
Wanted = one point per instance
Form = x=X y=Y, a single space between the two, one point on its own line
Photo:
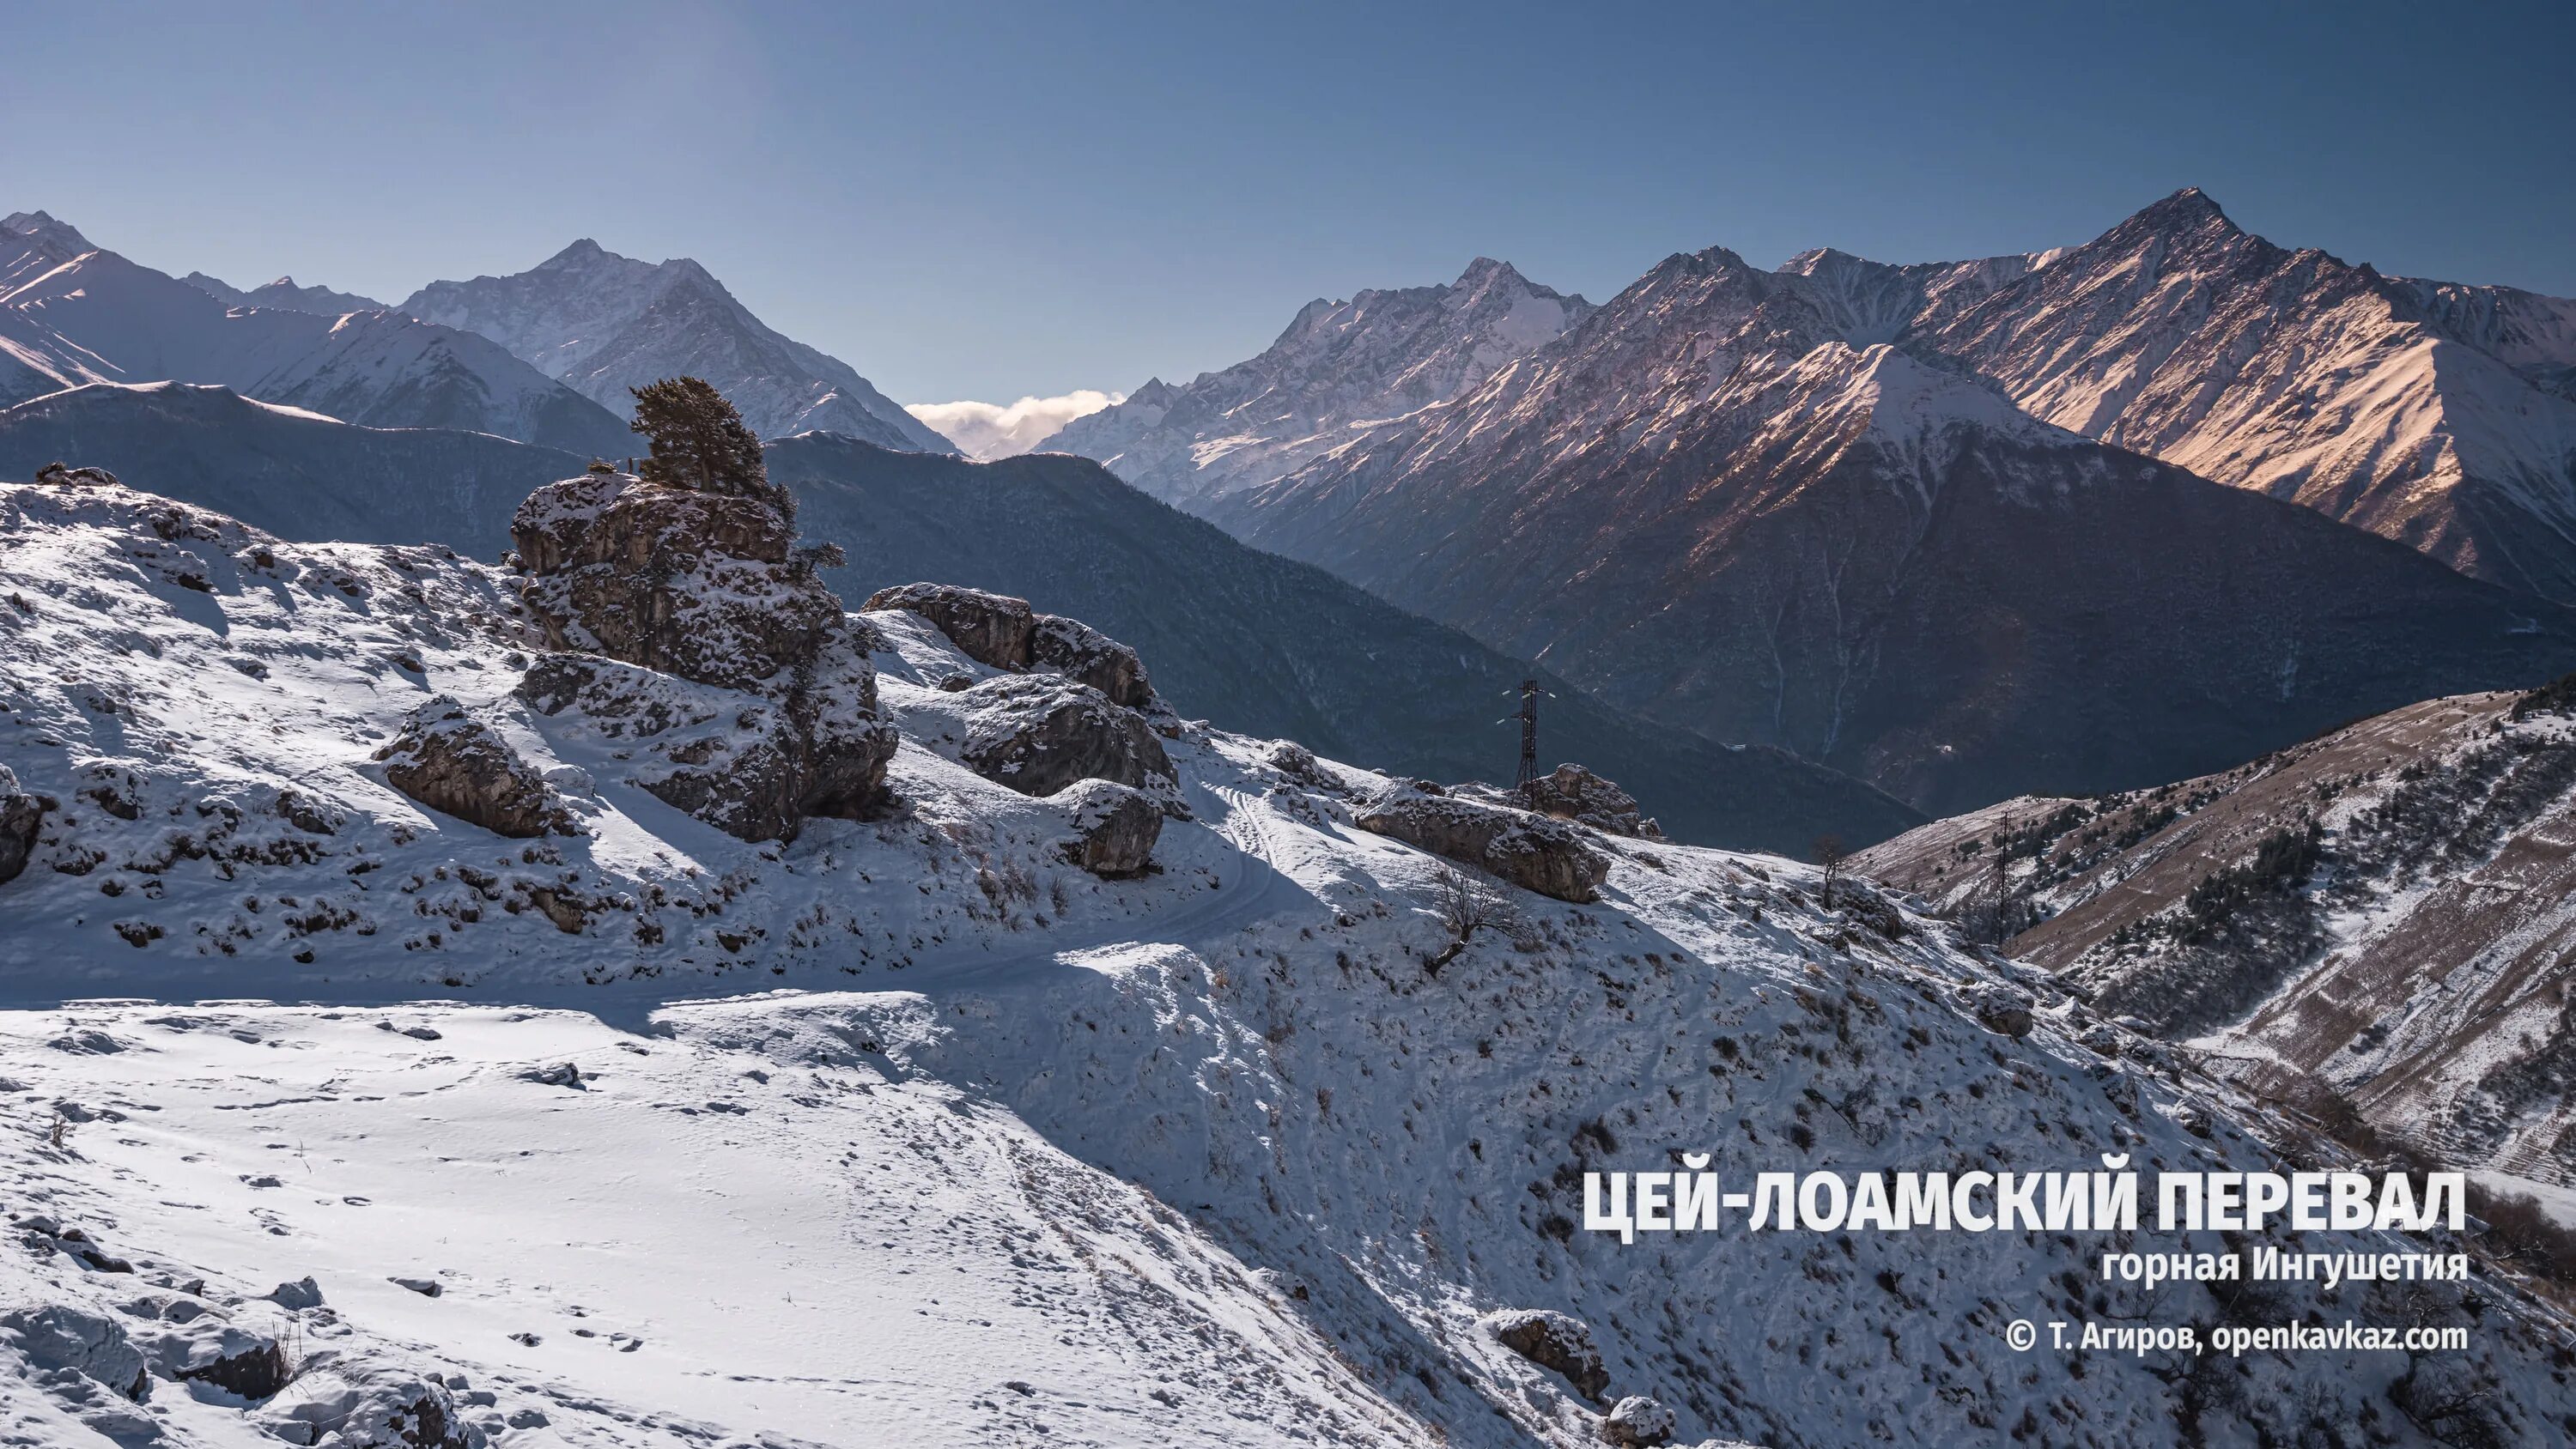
x=1829 y=853
x=1465 y=909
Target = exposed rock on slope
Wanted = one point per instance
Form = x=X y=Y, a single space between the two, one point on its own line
x=1007 y=634
x=2379 y=914
x=20 y=815
x=1339 y=366
x=1531 y=851
x=71 y=314
x=458 y=765
x=605 y=323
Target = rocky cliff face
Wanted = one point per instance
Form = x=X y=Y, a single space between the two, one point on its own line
x=1339 y=367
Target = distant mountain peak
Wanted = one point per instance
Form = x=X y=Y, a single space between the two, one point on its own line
x=2189 y=209
x=44 y=225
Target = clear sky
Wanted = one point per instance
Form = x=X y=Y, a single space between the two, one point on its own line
x=990 y=200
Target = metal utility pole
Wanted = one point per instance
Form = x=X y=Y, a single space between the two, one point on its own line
x=1529 y=736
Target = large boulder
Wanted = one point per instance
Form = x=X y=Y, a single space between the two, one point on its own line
x=991 y=629
x=1086 y=656
x=1553 y=1340
x=20 y=816
x=1001 y=632
x=1572 y=792
x=457 y=765
x=1637 y=1422
x=352 y=1404
x=1115 y=827
x=702 y=585
x=1529 y=850
x=1038 y=734
x=192 y=1343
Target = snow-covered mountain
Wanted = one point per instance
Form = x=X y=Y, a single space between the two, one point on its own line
x=2437 y=414
x=2370 y=923
x=1717 y=502
x=605 y=323
x=283 y=293
x=1339 y=366
x=1275 y=1146
x=72 y=314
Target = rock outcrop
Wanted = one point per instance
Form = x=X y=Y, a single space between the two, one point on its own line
x=20 y=816
x=1038 y=734
x=2005 y=1010
x=1002 y=632
x=1529 y=850
x=1553 y=1340
x=457 y=765
x=754 y=768
x=1115 y=827
x=701 y=585
x=991 y=629
x=705 y=599
x=1572 y=792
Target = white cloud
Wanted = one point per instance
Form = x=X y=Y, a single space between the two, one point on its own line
x=985 y=431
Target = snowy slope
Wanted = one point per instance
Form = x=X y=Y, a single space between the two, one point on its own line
x=71 y=314
x=1007 y=1154
x=2381 y=913
x=605 y=323
x=1339 y=366
x=283 y=293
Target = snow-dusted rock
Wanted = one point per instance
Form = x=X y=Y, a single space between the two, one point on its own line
x=59 y=1336
x=1553 y=1340
x=1531 y=851
x=1086 y=656
x=204 y=1347
x=991 y=629
x=1038 y=734
x=696 y=584
x=1638 y=1422
x=1115 y=827
x=458 y=765
x=356 y=1405
x=1999 y=1008
x=1571 y=792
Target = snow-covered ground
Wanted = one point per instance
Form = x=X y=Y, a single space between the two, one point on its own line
x=911 y=1133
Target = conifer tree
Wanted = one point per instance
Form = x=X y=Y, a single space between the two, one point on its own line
x=699 y=441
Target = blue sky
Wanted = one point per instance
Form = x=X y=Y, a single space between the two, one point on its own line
x=992 y=200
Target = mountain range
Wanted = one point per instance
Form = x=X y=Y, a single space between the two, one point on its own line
x=1717 y=500
x=72 y=313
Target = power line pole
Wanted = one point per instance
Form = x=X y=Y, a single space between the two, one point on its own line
x=1529 y=736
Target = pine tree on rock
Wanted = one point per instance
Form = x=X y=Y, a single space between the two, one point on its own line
x=700 y=442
